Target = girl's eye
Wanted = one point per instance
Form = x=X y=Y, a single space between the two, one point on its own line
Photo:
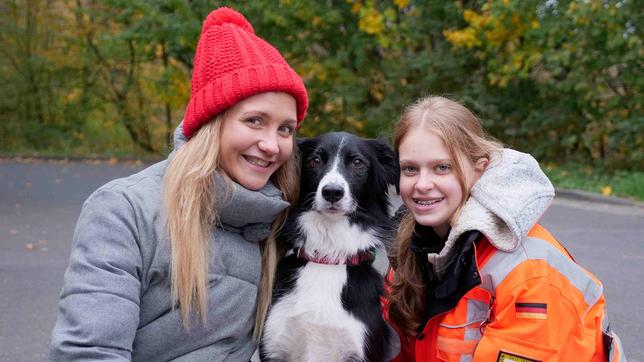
x=408 y=170
x=286 y=130
x=314 y=162
x=357 y=163
x=443 y=168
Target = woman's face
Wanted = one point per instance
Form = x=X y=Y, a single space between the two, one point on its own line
x=429 y=182
x=257 y=136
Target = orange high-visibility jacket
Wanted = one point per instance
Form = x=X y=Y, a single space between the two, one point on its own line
x=533 y=304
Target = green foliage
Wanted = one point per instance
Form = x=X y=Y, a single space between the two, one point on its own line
x=606 y=181
x=564 y=78
x=560 y=79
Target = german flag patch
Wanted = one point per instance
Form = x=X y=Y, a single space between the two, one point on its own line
x=509 y=357
x=531 y=310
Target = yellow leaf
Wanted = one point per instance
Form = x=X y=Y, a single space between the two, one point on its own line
x=401 y=3
x=355 y=8
x=607 y=190
x=371 y=22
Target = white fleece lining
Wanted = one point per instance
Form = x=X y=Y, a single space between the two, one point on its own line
x=505 y=203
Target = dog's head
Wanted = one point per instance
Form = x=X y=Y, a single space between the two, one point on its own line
x=343 y=174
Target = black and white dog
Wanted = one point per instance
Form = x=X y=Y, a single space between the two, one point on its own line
x=326 y=299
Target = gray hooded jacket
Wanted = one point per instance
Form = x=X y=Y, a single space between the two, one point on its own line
x=115 y=302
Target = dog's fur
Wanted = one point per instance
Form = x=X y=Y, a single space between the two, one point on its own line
x=331 y=312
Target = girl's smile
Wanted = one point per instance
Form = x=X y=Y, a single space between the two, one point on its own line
x=430 y=185
x=427 y=204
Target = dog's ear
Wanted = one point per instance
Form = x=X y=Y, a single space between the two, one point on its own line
x=304 y=146
x=388 y=159
x=301 y=141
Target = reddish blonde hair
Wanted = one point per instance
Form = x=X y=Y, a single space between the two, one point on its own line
x=466 y=141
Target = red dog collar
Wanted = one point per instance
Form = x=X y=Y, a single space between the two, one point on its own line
x=363 y=257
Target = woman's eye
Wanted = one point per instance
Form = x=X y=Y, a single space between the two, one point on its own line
x=255 y=121
x=286 y=130
x=314 y=162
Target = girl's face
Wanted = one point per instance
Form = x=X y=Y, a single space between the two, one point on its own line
x=257 y=136
x=429 y=182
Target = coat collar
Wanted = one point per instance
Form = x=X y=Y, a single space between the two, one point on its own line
x=245 y=211
x=442 y=295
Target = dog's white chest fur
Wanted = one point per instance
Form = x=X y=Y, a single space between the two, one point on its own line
x=335 y=238
x=310 y=319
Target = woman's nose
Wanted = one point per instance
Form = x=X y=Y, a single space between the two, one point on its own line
x=269 y=144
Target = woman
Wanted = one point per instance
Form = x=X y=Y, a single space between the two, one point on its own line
x=475 y=279
x=176 y=262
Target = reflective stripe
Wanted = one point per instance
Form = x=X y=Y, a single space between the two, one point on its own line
x=476 y=311
x=456 y=346
x=477 y=314
x=616 y=350
x=605 y=323
x=502 y=263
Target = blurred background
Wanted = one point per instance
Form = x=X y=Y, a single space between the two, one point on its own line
x=99 y=82
x=560 y=79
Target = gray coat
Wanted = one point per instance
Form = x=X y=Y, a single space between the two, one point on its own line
x=115 y=302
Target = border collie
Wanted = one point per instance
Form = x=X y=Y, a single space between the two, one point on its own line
x=326 y=298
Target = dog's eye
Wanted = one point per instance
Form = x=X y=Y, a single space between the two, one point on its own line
x=357 y=162
x=314 y=162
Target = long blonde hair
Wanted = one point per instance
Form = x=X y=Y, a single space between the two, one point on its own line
x=466 y=141
x=189 y=195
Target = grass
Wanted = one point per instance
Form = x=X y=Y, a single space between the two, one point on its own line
x=625 y=184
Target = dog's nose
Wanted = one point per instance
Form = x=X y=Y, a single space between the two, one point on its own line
x=332 y=192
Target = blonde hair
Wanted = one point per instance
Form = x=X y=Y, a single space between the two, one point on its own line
x=466 y=141
x=189 y=195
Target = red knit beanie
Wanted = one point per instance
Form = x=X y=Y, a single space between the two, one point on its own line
x=231 y=64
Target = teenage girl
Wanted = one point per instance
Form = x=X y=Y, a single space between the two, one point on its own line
x=473 y=277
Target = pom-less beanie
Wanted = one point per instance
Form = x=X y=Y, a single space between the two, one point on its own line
x=231 y=64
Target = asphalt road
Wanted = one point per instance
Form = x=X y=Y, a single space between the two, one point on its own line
x=40 y=202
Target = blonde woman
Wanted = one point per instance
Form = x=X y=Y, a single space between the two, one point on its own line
x=177 y=261
x=474 y=279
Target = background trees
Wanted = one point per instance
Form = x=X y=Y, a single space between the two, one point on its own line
x=560 y=79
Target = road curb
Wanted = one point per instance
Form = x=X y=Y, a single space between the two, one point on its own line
x=95 y=159
x=597 y=198
x=560 y=193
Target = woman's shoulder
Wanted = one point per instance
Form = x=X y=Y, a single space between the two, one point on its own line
x=141 y=187
x=152 y=174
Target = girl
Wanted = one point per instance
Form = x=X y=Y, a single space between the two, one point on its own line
x=473 y=277
x=177 y=261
